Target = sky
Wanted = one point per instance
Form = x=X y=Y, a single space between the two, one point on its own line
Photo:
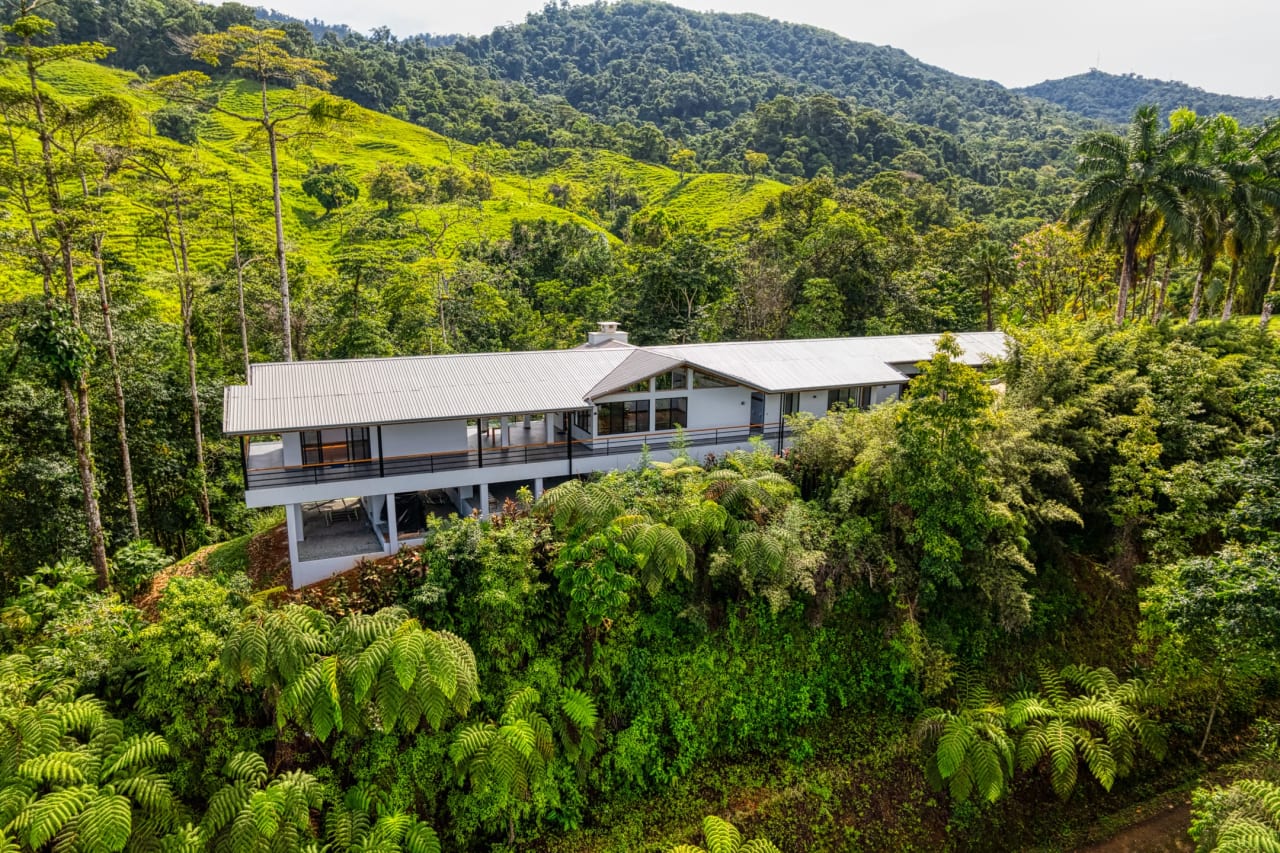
x=1227 y=46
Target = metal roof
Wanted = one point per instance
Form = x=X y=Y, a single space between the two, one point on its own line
x=287 y=396
x=777 y=366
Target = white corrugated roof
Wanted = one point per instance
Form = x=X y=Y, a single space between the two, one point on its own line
x=826 y=362
x=287 y=396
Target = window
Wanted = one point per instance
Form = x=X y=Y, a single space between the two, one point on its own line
x=582 y=420
x=670 y=412
x=328 y=446
x=641 y=387
x=706 y=380
x=674 y=380
x=851 y=397
x=626 y=416
x=790 y=404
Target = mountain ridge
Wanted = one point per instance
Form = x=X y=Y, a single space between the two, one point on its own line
x=1113 y=97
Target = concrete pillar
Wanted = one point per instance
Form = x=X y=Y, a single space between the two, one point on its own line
x=506 y=431
x=484 y=500
x=528 y=421
x=393 y=535
x=293 y=524
x=537 y=488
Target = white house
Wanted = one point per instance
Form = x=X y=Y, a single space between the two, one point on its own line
x=360 y=451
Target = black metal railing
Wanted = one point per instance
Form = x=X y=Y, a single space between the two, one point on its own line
x=431 y=463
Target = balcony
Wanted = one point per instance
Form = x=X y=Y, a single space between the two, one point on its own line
x=276 y=476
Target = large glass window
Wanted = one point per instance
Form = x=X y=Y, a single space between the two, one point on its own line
x=582 y=420
x=626 y=416
x=790 y=403
x=327 y=446
x=640 y=387
x=706 y=380
x=674 y=380
x=851 y=397
x=670 y=412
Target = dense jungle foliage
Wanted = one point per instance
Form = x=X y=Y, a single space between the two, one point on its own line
x=988 y=614
x=1114 y=97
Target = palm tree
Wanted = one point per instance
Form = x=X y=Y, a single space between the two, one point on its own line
x=1247 y=193
x=724 y=837
x=989 y=265
x=1135 y=183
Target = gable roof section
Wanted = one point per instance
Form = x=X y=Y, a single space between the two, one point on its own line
x=640 y=364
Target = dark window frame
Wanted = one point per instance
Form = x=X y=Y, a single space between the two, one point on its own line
x=622 y=417
x=670 y=412
x=356 y=443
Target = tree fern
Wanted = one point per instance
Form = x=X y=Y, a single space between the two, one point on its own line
x=506 y=760
x=968 y=750
x=380 y=670
x=723 y=837
x=1104 y=725
x=69 y=777
x=1243 y=817
x=251 y=814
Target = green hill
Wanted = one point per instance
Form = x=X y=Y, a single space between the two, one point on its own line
x=1114 y=97
x=518 y=192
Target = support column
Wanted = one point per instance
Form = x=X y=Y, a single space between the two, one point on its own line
x=537 y=488
x=293 y=527
x=528 y=421
x=484 y=500
x=393 y=535
x=506 y=431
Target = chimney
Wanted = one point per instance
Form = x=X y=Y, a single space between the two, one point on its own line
x=608 y=331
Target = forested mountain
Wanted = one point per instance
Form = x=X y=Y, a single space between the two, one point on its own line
x=1114 y=97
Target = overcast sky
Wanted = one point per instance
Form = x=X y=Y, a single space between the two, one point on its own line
x=1227 y=46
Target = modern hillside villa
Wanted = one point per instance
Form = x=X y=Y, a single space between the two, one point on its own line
x=359 y=452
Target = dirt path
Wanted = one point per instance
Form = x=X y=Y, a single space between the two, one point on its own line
x=1163 y=832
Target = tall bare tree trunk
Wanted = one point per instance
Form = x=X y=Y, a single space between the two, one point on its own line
x=126 y=461
x=286 y=315
x=77 y=398
x=186 y=292
x=235 y=247
x=1128 y=271
x=1197 y=291
x=1157 y=309
x=1269 y=300
x=1231 y=288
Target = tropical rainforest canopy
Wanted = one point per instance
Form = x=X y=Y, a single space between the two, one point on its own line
x=1011 y=603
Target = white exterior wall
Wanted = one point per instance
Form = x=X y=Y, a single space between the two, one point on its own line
x=813 y=402
x=718 y=407
x=416 y=439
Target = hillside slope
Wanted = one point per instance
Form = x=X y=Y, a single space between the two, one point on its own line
x=518 y=193
x=1114 y=97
